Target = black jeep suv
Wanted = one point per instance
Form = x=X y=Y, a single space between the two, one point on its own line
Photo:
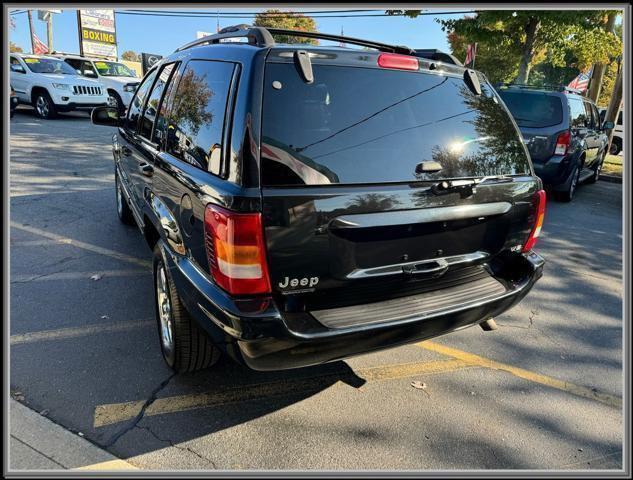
x=563 y=132
x=305 y=204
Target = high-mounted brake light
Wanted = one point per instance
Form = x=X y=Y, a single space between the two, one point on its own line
x=539 y=199
x=562 y=143
x=395 y=60
x=235 y=250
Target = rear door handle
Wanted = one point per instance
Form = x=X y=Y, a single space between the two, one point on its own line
x=126 y=151
x=146 y=169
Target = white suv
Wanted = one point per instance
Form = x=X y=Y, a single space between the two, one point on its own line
x=618 y=132
x=120 y=81
x=52 y=86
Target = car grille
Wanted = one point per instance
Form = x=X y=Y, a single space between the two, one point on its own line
x=81 y=90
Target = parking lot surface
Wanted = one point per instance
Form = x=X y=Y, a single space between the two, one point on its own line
x=544 y=391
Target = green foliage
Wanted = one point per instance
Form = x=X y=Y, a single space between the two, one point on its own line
x=288 y=20
x=15 y=48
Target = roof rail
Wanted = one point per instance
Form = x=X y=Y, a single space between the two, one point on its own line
x=383 y=47
x=258 y=36
x=437 y=55
x=263 y=37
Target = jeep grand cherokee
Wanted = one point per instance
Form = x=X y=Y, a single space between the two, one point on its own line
x=305 y=204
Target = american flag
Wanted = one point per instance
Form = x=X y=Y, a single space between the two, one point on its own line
x=471 y=52
x=581 y=82
x=39 y=48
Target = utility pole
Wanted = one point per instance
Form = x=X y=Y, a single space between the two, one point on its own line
x=597 y=74
x=31 y=30
x=49 y=31
x=614 y=104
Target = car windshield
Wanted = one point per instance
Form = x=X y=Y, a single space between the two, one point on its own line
x=114 y=69
x=366 y=125
x=49 y=65
x=533 y=110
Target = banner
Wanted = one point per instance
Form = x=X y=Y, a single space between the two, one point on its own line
x=147 y=60
x=97 y=33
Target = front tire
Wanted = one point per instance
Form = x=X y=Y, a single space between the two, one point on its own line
x=44 y=106
x=114 y=100
x=596 y=170
x=616 y=146
x=185 y=346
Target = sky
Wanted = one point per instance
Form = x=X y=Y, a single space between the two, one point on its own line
x=163 y=35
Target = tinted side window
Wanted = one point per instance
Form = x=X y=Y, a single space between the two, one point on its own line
x=596 y=116
x=134 y=111
x=196 y=119
x=151 y=108
x=620 y=118
x=578 y=113
x=76 y=64
x=591 y=121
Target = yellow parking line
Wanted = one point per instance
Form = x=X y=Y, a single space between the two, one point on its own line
x=83 y=245
x=476 y=360
x=120 y=412
x=72 y=332
x=109 y=465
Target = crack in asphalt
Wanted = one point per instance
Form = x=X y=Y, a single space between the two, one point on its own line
x=172 y=444
x=140 y=415
x=43 y=275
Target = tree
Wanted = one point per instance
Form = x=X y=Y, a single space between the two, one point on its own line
x=288 y=20
x=131 y=56
x=15 y=48
x=531 y=37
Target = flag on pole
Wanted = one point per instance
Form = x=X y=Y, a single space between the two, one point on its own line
x=39 y=48
x=581 y=82
x=471 y=52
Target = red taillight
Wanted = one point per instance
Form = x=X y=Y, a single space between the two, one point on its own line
x=539 y=199
x=395 y=60
x=562 y=143
x=235 y=250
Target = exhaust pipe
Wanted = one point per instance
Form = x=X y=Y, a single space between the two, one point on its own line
x=488 y=325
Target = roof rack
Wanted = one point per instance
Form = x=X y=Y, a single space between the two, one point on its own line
x=557 y=88
x=263 y=37
x=437 y=55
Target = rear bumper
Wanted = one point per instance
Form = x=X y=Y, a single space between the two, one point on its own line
x=555 y=171
x=269 y=341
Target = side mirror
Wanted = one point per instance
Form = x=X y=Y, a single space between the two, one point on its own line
x=608 y=126
x=17 y=68
x=106 y=116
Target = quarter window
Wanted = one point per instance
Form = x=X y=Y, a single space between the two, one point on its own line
x=134 y=111
x=578 y=114
x=196 y=117
x=151 y=108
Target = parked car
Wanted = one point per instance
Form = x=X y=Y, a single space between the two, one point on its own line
x=306 y=203
x=562 y=131
x=119 y=80
x=52 y=86
x=618 y=133
x=14 y=101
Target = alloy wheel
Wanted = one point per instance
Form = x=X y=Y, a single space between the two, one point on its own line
x=42 y=106
x=164 y=311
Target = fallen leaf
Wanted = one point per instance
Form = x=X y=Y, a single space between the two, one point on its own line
x=419 y=385
x=44 y=412
x=96 y=277
x=103 y=317
x=80 y=434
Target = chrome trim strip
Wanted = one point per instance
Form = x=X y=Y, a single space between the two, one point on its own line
x=398 y=267
x=425 y=215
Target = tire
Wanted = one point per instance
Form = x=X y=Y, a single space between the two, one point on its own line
x=568 y=195
x=596 y=170
x=616 y=146
x=184 y=345
x=123 y=210
x=114 y=100
x=44 y=106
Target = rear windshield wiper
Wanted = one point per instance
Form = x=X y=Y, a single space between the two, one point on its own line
x=466 y=187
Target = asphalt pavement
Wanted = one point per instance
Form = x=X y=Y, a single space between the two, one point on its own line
x=544 y=391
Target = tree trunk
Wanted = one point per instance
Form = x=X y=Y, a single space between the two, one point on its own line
x=597 y=74
x=614 y=105
x=531 y=30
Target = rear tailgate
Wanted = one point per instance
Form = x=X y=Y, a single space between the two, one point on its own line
x=347 y=219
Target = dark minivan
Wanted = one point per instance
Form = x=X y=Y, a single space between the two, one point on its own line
x=305 y=203
x=563 y=132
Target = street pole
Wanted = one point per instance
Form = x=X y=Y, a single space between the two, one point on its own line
x=31 y=30
x=49 y=31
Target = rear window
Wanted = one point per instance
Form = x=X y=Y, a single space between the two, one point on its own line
x=365 y=125
x=534 y=110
